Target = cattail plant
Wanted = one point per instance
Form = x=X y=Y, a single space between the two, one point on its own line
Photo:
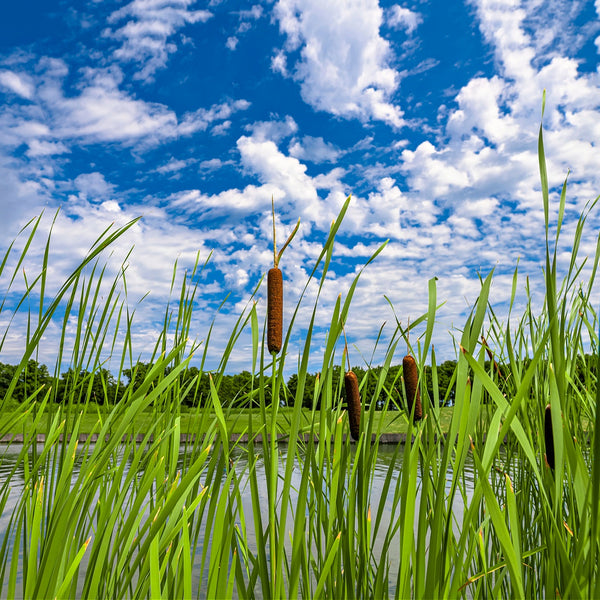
x=548 y=437
x=491 y=356
x=275 y=293
x=352 y=395
x=411 y=384
x=274 y=309
x=353 y=401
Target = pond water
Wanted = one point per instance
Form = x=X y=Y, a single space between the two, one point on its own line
x=386 y=458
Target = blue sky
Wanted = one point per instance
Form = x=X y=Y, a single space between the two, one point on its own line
x=194 y=114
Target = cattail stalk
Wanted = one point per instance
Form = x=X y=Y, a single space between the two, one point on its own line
x=411 y=384
x=548 y=437
x=274 y=309
x=275 y=293
x=491 y=356
x=353 y=402
x=352 y=393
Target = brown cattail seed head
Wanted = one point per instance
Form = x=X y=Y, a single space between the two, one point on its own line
x=274 y=309
x=411 y=384
x=548 y=437
x=353 y=402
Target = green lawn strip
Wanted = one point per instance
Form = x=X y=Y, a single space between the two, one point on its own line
x=236 y=422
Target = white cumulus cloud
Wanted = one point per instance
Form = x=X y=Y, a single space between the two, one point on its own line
x=344 y=67
x=263 y=158
x=17 y=83
x=101 y=111
x=398 y=16
x=314 y=149
x=148 y=28
x=93 y=186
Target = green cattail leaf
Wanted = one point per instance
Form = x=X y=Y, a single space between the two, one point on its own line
x=63 y=590
x=324 y=574
x=561 y=209
x=430 y=314
x=513 y=559
x=544 y=179
x=155 y=587
x=254 y=329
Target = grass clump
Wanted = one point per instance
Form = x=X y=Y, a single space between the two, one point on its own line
x=301 y=510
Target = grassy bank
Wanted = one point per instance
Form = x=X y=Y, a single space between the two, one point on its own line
x=190 y=423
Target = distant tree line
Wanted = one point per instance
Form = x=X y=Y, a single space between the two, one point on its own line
x=194 y=389
x=240 y=389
